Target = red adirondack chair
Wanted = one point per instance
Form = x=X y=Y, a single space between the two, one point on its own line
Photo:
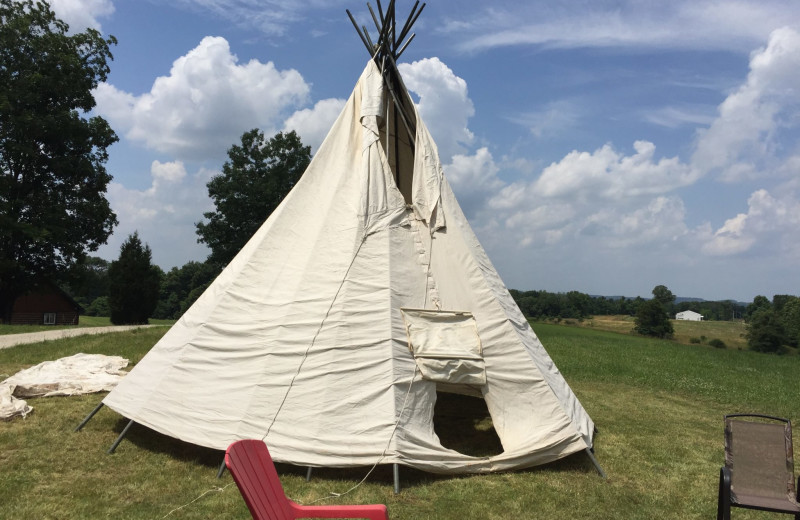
x=254 y=473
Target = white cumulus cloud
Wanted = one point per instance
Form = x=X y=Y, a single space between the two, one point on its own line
x=769 y=220
x=164 y=214
x=757 y=123
x=661 y=221
x=205 y=104
x=609 y=174
x=82 y=14
x=604 y=198
x=474 y=179
x=444 y=104
x=313 y=124
x=169 y=172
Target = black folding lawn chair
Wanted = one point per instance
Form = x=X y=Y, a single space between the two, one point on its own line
x=759 y=466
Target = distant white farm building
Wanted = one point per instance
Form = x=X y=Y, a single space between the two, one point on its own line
x=689 y=315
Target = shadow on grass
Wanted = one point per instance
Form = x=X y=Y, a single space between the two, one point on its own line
x=412 y=478
x=154 y=442
x=462 y=423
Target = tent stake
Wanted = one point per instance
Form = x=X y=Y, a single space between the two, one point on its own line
x=88 y=417
x=308 y=474
x=596 y=464
x=396 y=472
x=221 y=470
x=113 y=447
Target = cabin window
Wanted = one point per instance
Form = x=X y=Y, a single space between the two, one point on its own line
x=49 y=318
x=446 y=346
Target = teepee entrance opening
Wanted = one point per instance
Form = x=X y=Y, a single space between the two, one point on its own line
x=463 y=423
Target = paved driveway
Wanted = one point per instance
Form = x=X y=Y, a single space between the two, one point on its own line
x=9 y=340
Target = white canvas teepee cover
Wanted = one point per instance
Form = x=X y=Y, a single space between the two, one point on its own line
x=302 y=337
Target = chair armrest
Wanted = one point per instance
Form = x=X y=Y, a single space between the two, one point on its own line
x=372 y=512
x=725 y=476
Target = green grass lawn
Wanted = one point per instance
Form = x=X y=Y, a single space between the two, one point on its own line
x=657 y=404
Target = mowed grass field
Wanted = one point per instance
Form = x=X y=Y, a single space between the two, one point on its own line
x=732 y=333
x=658 y=406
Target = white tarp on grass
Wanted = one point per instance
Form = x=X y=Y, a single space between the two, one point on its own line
x=10 y=406
x=73 y=375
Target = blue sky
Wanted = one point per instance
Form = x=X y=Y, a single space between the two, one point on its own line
x=604 y=147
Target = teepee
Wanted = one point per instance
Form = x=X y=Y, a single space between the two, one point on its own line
x=364 y=293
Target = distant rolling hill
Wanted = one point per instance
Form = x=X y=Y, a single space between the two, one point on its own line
x=678 y=299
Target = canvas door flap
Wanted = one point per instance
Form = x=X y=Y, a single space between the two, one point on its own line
x=446 y=346
x=445 y=340
x=454 y=371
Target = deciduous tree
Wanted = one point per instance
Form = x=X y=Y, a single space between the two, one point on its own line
x=765 y=332
x=653 y=320
x=181 y=286
x=53 y=208
x=259 y=173
x=759 y=303
x=663 y=295
x=651 y=316
x=87 y=281
x=790 y=319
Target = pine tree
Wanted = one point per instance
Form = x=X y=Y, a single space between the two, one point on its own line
x=134 y=283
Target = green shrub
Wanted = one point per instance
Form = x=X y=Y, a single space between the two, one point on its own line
x=717 y=343
x=694 y=340
x=99 y=307
x=765 y=332
x=653 y=320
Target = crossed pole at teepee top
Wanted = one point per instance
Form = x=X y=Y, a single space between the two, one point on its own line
x=386 y=50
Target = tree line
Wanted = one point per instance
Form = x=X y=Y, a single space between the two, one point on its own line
x=162 y=295
x=772 y=326
x=578 y=305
